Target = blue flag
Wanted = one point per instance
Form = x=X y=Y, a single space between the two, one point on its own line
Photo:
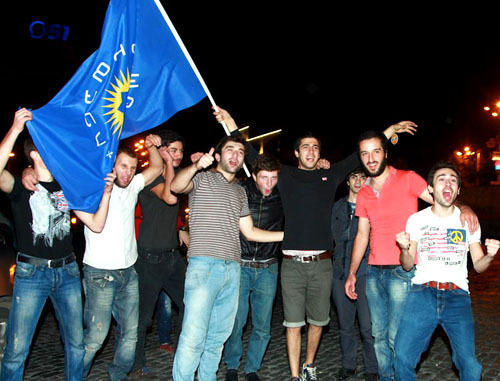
x=137 y=79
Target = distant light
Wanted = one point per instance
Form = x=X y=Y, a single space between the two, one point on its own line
x=467 y=148
x=498 y=104
x=12 y=154
x=141 y=141
x=137 y=149
x=459 y=153
x=144 y=153
x=495 y=114
x=136 y=144
x=145 y=164
x=244 y=128
x=73 y=220
x=473 y=153
x=186 y=210
x=140 y=147
x=468 y=153
x=486 y=108
x=264 y=135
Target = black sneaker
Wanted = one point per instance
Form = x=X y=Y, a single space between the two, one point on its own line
x=252 y=377
x=346 y=374
x=232 y=375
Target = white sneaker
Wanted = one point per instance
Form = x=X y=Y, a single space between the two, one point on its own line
x=308 y=373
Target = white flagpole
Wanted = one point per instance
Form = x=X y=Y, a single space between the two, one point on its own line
x=195 y=69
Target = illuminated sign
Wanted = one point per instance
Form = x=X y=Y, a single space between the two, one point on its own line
x=40 y=29
x=497 y=165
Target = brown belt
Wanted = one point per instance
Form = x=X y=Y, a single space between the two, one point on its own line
x=309 y=258
x=442 y=286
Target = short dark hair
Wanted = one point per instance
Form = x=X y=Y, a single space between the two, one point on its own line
x=371 y=134
x=265 y=162
x=122 y=148
x=356 y=171
x=308 y=134
x=230 y=138
x=29 y=146
x=440 y=165
x=169 y=136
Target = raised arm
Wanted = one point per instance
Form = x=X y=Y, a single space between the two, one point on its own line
x=155 y=160
x=162 y=191
x=20 y=118
x=358 y=252
x=479 y=259
x=404 y=126
x=183 y=180
x=97 y=220
x=251 y=233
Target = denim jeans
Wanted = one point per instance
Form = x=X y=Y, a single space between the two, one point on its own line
x=347 y=310
x=211 y=302
x=425 y=308
x=258 y=285
x=386 y=290
x=157 y=272
x=116 y=293
x=164 y=318
x=32 y=286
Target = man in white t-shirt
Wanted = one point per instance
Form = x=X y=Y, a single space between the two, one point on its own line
x=439 y=292
x=110 y=281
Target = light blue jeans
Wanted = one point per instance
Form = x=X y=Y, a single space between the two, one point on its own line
x=258 y=289
x=111 y=293
x=32 y=286
x=386 y=290
x=210 y=304
x=425 y=308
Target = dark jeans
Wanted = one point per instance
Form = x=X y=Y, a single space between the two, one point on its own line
x=157 y=271
x=347 y=310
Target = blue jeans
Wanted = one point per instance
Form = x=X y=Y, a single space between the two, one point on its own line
x=425 y=308
x=260 y=286
x=164 y=318
x=210 y=304
x=386 y=290
x=111 y=292
x=32 y=286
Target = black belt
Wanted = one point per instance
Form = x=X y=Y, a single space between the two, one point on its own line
x=258 y=264
x=309 y=258
x=385 y=267
x=50 y=263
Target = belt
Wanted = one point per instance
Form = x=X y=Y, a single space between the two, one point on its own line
x=50 y=263
x=385 y=267
x=309 y=258
x=155 y=254
x=442 y=285
x=258 y=264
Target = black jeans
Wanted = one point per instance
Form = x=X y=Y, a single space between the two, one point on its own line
x=157 y=270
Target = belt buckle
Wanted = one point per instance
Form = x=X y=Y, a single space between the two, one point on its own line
x=49 y=263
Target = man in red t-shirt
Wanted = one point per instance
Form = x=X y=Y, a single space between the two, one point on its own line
x=383 y=206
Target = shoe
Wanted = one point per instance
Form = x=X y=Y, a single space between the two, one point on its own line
x=141 y=373
x=167 y=347
x=232 y=375
x=371 y=377
x=308 y=373
x=252 y=377
x=346 y=374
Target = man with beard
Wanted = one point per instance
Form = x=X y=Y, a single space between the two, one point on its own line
x=110 y=280
x=160 y=265
x=383 y=206
x=218 y=212
x=439 y=291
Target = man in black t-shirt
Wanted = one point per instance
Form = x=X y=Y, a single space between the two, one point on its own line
x=160 y=265
x=46 y=265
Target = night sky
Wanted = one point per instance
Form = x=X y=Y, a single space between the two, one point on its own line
x=332 y=69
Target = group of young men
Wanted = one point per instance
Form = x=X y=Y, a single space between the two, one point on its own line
x=234 y=243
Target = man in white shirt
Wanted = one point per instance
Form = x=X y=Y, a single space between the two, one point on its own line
x=110 y=281
x=439 y=292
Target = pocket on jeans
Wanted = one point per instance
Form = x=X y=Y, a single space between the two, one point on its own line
x=196 y=276
x=401 y=273
x=72 y=269
x=25 y=270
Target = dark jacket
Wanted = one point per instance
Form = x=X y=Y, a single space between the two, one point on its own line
x=267 y=214
x=344 y=231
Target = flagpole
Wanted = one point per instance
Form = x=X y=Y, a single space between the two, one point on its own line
x=195 y=69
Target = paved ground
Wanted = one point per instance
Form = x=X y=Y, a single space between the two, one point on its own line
x=46 y=359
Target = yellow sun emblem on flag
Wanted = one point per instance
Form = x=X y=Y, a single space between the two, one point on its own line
x=117 y=103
